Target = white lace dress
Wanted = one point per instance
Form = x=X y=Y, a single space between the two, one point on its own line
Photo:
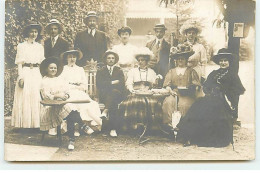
x=26 y=105
x=74 y=77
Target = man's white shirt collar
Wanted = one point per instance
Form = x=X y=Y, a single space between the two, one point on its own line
x=93 y=31
x=110 y=67
x=157 y=40
x=55 y=38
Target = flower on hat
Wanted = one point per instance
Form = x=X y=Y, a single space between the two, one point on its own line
x=182 y=49
x=190 y=24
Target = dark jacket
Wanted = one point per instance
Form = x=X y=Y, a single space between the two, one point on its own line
x=224 y=82
x=91 y=47
x=103 y=82
x=60 y=47
x=163 y=64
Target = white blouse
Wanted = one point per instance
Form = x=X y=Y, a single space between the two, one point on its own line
x=29 y=53
x=136 y=75
x=74 y=75
x=52 y=86
x=199 y=56
x=126 y=54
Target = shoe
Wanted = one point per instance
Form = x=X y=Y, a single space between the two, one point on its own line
x=77 y=134
x=104 y=114
x=87 y=129
x=52 y=132
x=186 y=144
x=113 y=133
x=71 y=145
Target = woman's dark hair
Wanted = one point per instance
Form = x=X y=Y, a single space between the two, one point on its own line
x=124 y=29
x=28 y=29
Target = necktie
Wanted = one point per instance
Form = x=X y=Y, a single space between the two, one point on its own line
x=158 y=45
x=91 y=33
x=110 y=70
x=52 y=42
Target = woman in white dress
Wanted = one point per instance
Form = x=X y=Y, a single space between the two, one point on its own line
x=76 y=79
x=53 y=88
x=26 y=106
x=125 y=50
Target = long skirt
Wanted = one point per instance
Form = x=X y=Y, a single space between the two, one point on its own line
x=26 y=106
x=88 y=111
x=208 y=123
x=170 y=105
x=52 y=116
x=135 y=109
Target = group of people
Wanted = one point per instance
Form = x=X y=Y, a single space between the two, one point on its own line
x=127 y=74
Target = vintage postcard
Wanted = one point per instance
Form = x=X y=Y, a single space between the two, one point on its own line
x=129 y=80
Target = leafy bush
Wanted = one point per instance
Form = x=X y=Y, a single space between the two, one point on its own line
x=69 y=12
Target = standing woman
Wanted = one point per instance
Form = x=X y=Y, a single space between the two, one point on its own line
x=182 y=83
x=140 y=79
x=190 y=29
x=208 y=123
x=125 y=50
x=26 y=106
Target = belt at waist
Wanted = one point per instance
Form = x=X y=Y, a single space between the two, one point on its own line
x=30 y=65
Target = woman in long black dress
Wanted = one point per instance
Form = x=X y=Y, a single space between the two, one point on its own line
x=209 y=121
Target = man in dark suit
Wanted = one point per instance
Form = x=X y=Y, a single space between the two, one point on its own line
x=161 y=50
x=111 y=88
x=92 y=42
x=54 y=46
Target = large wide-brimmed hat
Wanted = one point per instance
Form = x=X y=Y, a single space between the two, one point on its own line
x=160 y=26
x=90 y=14
x=53 y=22
x=144 y=52
x=223 y=53
x=124 y=29
x=46 y=62
x=32 y=25
x=108 y=52
x=190 y=25
x=182 y=50
x=71 y=50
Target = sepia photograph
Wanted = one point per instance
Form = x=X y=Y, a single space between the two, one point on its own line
x=129 y=80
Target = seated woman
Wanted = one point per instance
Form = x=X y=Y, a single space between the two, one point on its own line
x=75 y=78
x=182 y=83
x=53 y=88
x=111 y=86
x=140 y=79
x=208 y=123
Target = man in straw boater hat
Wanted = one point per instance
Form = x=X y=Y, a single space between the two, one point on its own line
x=92 y=42
x=54 y=46
x=161 y=50
x=190 y=29
x=111 y=89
